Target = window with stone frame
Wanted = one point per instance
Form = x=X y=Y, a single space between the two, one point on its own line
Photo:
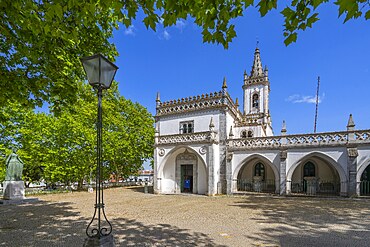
x=259 y=170
x=243 y=134
x=250 y=133
x=255 y=100
x=187 y=127
x=246 y=134
x=309 y=170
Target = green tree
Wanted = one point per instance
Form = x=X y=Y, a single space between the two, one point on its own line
x=128 y=135
x=61 y=147
x=40 y=46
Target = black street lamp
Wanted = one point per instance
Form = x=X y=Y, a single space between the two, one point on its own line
x=100 y=74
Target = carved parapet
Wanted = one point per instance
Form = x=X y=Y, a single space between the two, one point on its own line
x=251 y=143
x=329 y=138
x=199 y=137
x=362 y=136
x=200 y=102
x=190 y=104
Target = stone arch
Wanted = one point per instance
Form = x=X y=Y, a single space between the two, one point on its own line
x=326 y=158
x=265 y=161
x=172 y=151
x=169 y=171
x=362 y=187
x=361 y=168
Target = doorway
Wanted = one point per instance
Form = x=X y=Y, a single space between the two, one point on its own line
x=186 y=178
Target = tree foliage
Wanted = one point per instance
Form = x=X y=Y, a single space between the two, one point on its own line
x=40 y=46
x=41 y=41
x=61 y=147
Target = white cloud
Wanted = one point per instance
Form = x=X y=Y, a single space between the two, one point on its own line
x=180 y=24
x=166 y=35
x=296 y=98
x=130 y=30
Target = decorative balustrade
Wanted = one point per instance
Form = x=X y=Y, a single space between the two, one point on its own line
x=199 y=137
x=260 y=142
x=272 y=142
x=329 y=138
x=307 y=140
x=362 y=136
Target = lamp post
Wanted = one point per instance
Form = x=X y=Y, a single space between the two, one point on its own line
x=100 y=74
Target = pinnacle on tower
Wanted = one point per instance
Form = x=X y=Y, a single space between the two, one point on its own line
x=257 y=65
x=158 y=99
x=237 y=102
x=224 y=83
x=266 y=71
x=283 y=128
x=351 y=123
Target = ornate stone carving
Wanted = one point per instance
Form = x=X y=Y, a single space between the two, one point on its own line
x=352 y=152
x=229 y=156
x=283 y=154
x=184 y=138
x=203 y=150
x=186 y=156
x=161 y=152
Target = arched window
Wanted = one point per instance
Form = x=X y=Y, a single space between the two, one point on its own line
x=244 y=134
x=365 y=182
x=366 y=174
x=255 y=101
x=259 y=170
x=309 y=170
x=250 y=133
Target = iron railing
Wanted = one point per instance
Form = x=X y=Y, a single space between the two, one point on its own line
x=251 y=185
x=315 y=187
x=365 y=188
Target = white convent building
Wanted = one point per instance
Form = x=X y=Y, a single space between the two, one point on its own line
x=225 y=150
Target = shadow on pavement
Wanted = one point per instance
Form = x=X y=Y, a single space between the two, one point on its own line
x=310 y=222
x=133 y=233
x=60 y=224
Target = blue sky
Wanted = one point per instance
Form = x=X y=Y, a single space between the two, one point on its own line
x=175 y=62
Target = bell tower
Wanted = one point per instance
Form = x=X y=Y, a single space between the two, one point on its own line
x=256 y=90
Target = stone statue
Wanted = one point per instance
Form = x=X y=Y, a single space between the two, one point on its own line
x=14 y=168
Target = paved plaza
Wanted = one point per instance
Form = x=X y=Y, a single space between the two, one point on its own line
x=141 y=219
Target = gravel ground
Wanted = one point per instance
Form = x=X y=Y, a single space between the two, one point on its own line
x=140 y=219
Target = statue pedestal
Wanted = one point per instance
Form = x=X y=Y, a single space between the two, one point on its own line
x=13 y=190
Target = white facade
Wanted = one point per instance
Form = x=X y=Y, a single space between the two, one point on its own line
x=208 y=141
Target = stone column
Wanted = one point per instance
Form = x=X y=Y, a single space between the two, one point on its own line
x=352 y=173
x=229 y=173
x=211 y=171
x=285 y=186
x=283 y=181
x=352 y=161
x=156 y=181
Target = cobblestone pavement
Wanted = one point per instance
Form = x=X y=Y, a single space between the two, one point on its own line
x=141 y=219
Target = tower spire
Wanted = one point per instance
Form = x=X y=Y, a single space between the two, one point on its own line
x=224 y=83
x=257 y=65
